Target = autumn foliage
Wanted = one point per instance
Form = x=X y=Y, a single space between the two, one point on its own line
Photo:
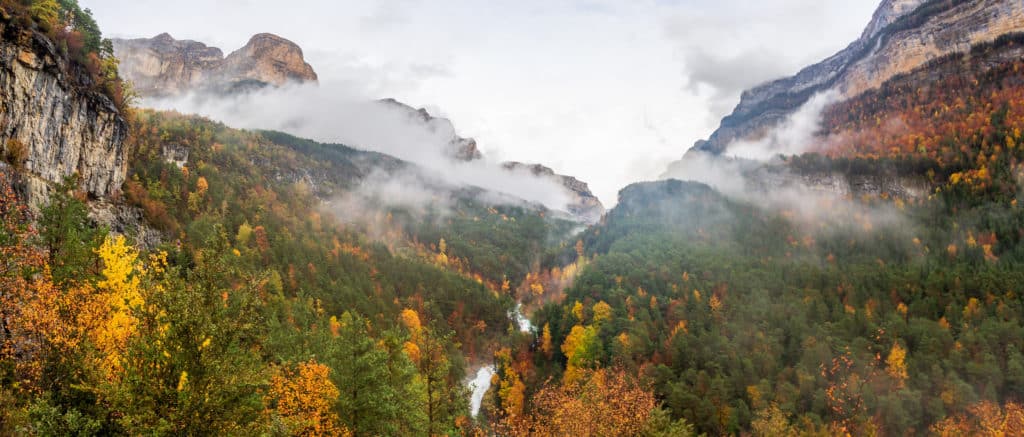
x=601 y=403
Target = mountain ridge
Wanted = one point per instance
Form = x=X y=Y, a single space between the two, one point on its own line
x=903 y=35
x=163 y=66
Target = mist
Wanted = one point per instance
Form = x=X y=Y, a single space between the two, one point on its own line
x=755 y=171
x=336 y=113
x=795 y=136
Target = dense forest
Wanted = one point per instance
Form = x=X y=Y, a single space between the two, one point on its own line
x=869 y=315
x=265 y=294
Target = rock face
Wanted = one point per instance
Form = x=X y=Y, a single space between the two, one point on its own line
x=163 y=66
x=65 y=127
x=585 y=205
x=883 y=182
x=757 y=180
x=463 y=149
x=902 y=36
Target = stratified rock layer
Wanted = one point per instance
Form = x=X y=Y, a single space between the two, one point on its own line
x=66 y=127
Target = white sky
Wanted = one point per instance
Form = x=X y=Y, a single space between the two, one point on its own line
x=608 y=91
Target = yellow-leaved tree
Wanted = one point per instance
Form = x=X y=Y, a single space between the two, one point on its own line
x=545 y=345
x=896 y=365
x=602 y=312
x=304 y=399
x=120 y=288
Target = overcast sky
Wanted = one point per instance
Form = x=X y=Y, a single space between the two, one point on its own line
x=608 y=91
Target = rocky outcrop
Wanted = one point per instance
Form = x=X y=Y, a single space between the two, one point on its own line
x=902 y=36
x=463 y=149
x=884 y=183
x=270 y=59
x=163 y=66
x=125 y=219
x=65 y=127
x=584 y=205
x=760 y=180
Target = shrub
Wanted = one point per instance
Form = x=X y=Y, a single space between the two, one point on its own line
x=15 y=153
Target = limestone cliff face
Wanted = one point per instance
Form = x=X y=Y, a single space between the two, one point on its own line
x=902 y=36
x=270 y=59
x=163 y=66
x=66 y=127
x=584 y=205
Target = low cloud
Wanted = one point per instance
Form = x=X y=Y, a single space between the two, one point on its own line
x=778 y=38
x=753 y=171
x=335 y=114
x=728 y=76
x=796 y=135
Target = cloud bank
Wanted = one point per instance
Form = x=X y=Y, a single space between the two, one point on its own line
x=336 y=114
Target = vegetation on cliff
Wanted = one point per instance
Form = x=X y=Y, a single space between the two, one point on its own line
x=78 y=37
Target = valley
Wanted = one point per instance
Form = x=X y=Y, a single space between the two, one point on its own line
x=841 y=257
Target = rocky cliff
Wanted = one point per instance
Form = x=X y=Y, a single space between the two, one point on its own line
x=902 y=36
x=463 y=149
x=584 y=205
x=50 y=113
x=163 y=66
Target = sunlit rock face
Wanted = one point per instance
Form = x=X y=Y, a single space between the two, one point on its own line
x=902 y=36
x=163 y=66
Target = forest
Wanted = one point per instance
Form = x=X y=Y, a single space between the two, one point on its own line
x=257 y=299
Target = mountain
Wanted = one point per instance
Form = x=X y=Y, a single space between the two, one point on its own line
x=162 y=65
x=294 y=287
x=902 y=36
x=584 y=204
x=462 y=149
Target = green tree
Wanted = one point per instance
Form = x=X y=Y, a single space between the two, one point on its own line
x=372 y=381
x=69 y=237
x=45 y=11
x=191 y=368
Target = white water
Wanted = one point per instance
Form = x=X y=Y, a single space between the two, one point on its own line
x=524 y=323
x=482 y=382
x=479 y=386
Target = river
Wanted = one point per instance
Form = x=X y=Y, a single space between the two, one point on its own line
x=479 y=385
x=524 y=322
x=482 y=382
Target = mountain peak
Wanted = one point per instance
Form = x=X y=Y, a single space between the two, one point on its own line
x=271 y=59
x=462 y=149
x=887 y=13
x=164 y=37
x=162 y=65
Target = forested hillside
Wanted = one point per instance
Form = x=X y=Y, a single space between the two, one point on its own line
x=247 y=307
x=256 y=283
x=882 y=314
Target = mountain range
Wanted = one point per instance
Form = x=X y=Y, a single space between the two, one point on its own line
x=842 y=256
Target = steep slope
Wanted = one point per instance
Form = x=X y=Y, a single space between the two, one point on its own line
x=584 y=205
x=462 y=149
x=53 y=121
x=903 y=35
x=162 y=65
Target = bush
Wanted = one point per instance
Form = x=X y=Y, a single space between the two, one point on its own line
x=15 y=153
